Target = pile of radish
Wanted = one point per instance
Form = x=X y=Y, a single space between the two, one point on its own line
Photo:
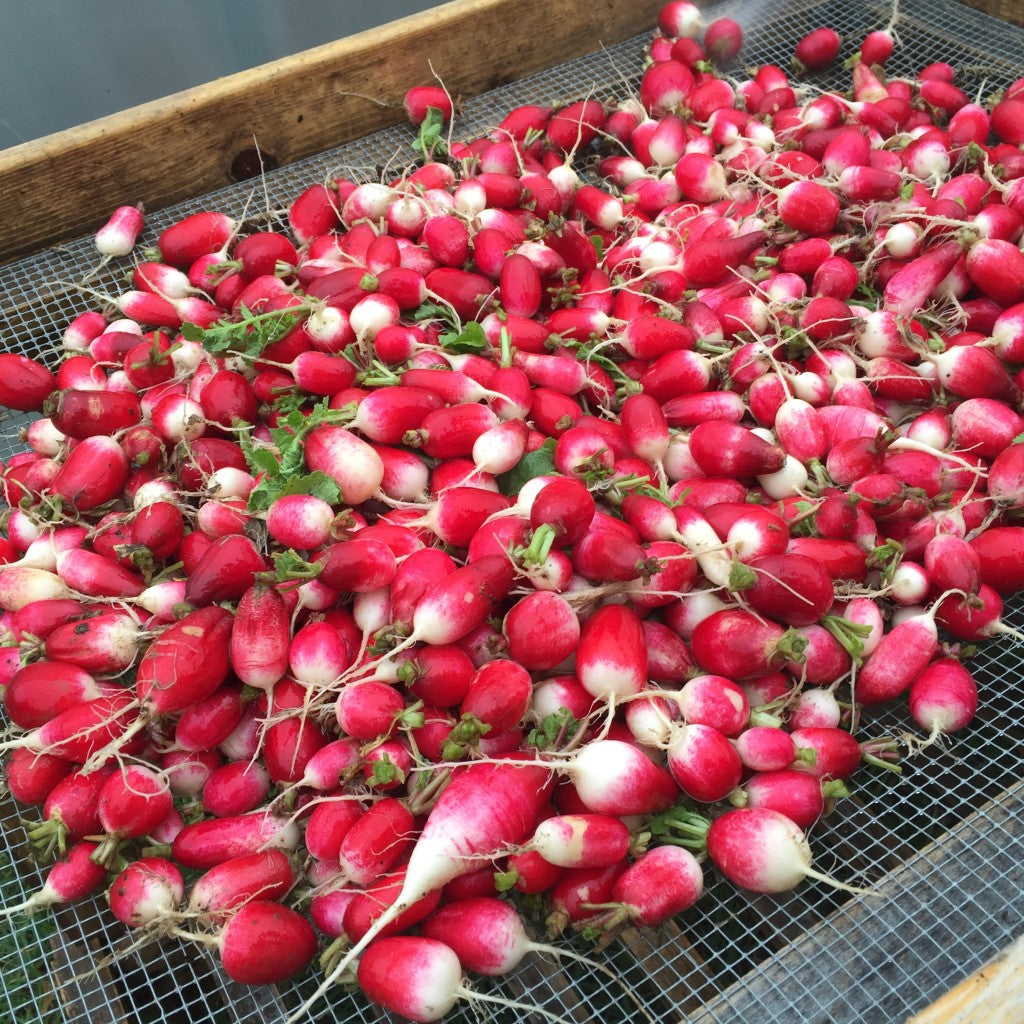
x=506 y=530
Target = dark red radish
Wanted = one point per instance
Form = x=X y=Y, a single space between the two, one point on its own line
x=32 y=776
x=739 y=645
x=69 y=811
x=817 y=49
x=25 y=383
x=235 y=788
x=368 y=906
x=974 y=618
x=263 y=943
x=727 y=449
x=82 y=731
x=707 y=263
x=83 y=414
x=94 y=473
x=1001 y=550
x=791 y=588
x=723 y=40
x=42 y=690
x=187 y=662
x=376 y=841
x=194 y=236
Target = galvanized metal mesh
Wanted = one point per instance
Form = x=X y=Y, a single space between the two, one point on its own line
x=942 y=845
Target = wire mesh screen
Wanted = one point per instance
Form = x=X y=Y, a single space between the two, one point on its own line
x=815 y=955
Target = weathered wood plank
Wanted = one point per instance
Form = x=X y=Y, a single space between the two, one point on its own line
x=993 y=995
x=201 y=139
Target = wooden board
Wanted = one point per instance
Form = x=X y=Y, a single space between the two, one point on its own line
x=201 y=139
x=993 y=995
x=1008 y=10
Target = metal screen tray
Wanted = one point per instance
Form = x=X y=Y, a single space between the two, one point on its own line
x=942 y=844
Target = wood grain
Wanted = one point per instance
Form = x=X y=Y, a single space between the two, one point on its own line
x=993 y=995
x=1008 y=10
x=186 y=144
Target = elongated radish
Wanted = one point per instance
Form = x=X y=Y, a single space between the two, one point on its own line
x=463 y=825
x=72 y=878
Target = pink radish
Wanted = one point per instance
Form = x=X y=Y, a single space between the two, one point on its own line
x=799 y=796
x=580 y=840
x=762 y=850
x=612 y=656
x=420 y=978
x=146 y=892
x=268 y=875
x=703 y=762
x=131 y=803
x=943 y=698
x=901 y=655
x=208 y=843
x=72 y=878
x=462 y=826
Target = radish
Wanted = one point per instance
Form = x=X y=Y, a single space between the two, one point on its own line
x=421 y=979
x=224 y=888
x=703 y=762
x=762 y=850
x=131 y=803
x=901 y=655
x=72 y=878
x=463 y=825
x=235 y=788
x=262 y=943
x=611 y=660
x=43 y=689
x=187 y=662
x=31 y=776
x=260 y=636
x=799 y=796
x=580 y=840
x=943 y=698
x=205 y=844
x=146 y=892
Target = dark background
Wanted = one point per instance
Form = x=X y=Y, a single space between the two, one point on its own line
x=63 y=62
